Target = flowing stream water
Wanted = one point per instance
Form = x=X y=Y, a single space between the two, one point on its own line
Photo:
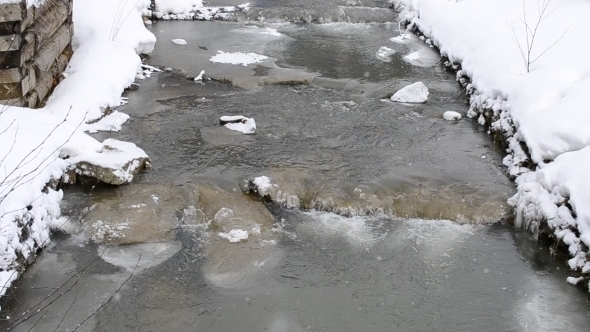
x=402 y=225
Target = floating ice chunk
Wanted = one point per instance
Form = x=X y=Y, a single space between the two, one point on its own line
x=452 y=116
x=384 y=54
x=199 y=77
x=235 y=235
x=179 y=41
x=239 y=123
x=237 y=58
x=413 y=93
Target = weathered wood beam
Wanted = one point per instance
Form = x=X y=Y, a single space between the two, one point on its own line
x=51 y=50
x=17 y=90
x=45 y=26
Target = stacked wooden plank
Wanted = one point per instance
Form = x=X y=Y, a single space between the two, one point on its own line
x=35 y=47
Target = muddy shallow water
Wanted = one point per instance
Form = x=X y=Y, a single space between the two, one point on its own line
x=157 y=254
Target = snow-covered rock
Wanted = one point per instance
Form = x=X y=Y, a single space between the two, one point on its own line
x=263 y=186
x=239 y=123
x=115 y=163
x=451 y=116
x=179 y=41
x=413 y=93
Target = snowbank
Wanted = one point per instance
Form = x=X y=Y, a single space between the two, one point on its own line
x=38 y=146
x=546 y=108
x=192 y=10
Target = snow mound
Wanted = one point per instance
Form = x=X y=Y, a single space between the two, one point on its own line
x=237 y=58
x=235 y=235
x=413 y=93
x=452 y=116
x=179 y=41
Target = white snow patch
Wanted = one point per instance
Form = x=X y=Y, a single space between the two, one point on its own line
x=263 y=185
x=413 y=93
x=237 y=58
x=235 y=235
x=232 y=118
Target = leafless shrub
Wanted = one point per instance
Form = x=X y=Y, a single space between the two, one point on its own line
x=531 y=30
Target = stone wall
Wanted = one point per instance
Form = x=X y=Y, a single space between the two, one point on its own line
x=35 y=47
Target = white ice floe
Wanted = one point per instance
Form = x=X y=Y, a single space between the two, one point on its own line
x=242 y=124
x=384 y=54
x=237 y=58
x=413 y=93
x=451 y=116
x=179 y=41
x=235 y=235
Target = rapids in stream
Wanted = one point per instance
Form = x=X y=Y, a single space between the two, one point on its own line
x=402 y=218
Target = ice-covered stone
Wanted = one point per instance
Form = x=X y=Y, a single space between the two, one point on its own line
x=452 y=116
x=413 y=93
x=115 y=164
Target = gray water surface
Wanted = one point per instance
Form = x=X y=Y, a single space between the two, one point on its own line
x=433 y=254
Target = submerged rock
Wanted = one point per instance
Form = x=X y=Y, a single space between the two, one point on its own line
x=413 y=93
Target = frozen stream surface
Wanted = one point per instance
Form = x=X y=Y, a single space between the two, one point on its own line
x=423 y=246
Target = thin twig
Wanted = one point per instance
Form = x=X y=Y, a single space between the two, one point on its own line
x=110 y=298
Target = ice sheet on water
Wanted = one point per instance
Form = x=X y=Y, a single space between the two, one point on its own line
x=127 y=256
x=384 y=54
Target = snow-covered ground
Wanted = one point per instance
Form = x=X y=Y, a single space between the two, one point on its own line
x=546 y=108
x=109 y=34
